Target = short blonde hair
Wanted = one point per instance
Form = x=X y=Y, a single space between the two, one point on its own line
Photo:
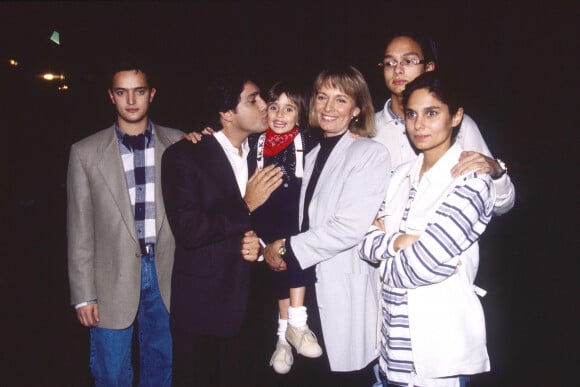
x=351 y=82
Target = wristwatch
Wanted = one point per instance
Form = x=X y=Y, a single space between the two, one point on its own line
x=282 y=248
x=503 y=170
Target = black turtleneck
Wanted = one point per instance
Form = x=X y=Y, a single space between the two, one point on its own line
x=327 y=144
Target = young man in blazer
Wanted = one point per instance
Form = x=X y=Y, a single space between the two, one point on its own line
x=209 y=200
x=120 y=246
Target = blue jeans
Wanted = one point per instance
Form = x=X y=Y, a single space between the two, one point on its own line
x=110 y=349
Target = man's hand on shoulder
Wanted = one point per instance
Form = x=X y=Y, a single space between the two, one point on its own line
x=475 y=162
x=196 y=137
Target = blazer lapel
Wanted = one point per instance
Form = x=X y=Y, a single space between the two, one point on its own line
x=111 y=168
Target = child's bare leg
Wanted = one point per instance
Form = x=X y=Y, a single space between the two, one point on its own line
x=297 y=296
x=283 y=307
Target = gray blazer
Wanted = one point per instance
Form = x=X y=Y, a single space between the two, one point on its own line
x=346 y=200
x=103 y=250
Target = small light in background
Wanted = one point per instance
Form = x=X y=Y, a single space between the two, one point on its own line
x=55 y=37
x=14 y=62
x=63 y=88
x=52 y=77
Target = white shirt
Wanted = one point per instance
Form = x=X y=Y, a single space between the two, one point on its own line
x=238 y=162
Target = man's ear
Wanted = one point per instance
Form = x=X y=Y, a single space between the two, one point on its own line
x=430 y=66
x=111 y=96
x=152 y=92
x=227 y=116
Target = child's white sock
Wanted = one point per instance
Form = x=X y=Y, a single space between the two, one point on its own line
x=282 y=325
x=297 y=316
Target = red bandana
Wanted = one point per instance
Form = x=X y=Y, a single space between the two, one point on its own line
x=276 y=143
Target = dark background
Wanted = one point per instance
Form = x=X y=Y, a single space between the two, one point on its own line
x=518 y=63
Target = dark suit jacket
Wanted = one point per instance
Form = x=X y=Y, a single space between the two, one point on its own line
x=210 y=283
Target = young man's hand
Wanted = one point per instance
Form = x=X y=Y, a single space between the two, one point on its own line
x=475 y=162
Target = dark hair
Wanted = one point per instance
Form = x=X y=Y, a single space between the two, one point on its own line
x=351 y=82
x=129 y=62
x=223 y=94
x=427 y=44
x=296 y=94
x=443 y=87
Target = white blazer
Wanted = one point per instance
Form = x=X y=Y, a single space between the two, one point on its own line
x=345 y=202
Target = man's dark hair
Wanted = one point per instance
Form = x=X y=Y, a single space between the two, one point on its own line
x=128 y=62
x=427 y=44
x=223 y=94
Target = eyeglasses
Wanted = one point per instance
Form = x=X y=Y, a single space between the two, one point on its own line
x=405 y=62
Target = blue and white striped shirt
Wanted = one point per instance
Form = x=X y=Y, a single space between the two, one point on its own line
x=449 y=219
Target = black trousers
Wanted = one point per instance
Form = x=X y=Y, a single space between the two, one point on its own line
x=211 y=361
x=243 y=360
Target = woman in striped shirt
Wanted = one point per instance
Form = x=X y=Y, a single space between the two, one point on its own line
x=425 y=239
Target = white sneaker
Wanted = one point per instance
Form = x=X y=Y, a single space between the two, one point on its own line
x=304 y=340
x=282 y=358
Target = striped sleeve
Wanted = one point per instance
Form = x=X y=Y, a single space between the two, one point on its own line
x=456 y=225
x=375 y=246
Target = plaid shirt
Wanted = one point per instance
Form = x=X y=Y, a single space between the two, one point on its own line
x=139 y=167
